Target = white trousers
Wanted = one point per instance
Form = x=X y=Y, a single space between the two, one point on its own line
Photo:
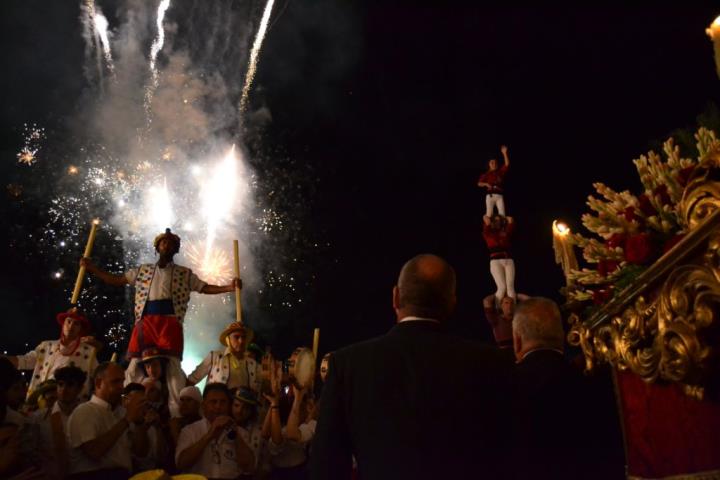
x=492 y=200
x=503 y=272
x=174 y=375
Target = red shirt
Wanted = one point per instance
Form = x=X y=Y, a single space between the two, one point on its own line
x=498 y=241
x=494 y=178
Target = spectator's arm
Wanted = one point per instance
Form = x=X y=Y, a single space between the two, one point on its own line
x=292 y=431
x=188 y=452
x=331 y=448
x=504 y=151
x=95 y=449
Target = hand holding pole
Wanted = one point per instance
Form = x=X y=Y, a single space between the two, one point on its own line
x=81 y=272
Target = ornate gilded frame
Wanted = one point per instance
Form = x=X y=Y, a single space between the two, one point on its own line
x=664 y=326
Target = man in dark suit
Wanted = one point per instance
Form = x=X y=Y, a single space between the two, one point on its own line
x=560 y=430
x=417 y=402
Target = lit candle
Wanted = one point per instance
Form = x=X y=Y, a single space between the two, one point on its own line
x=238 y=305
x=714 y=33
x=88 y=252
x=316 y=341
x=563 y=245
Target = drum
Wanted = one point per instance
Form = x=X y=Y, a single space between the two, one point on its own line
x=301 y=367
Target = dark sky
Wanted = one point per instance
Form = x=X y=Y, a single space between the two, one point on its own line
x=395 y=110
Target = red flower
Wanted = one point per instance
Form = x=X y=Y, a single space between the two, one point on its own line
x=639 y=249
x=662 y=192
x=684 y=175
x=601 y=296
x=645 y=206
x=672 y=242
x=616 y=240
x=629 y=214
x=607 y=266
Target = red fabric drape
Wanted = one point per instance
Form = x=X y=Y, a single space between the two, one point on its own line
x=667 y=432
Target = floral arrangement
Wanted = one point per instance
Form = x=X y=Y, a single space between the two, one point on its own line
x=634 y=230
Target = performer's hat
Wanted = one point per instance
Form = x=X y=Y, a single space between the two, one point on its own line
x=77 y=315
x=151 y=353
x=170 y=236
x=236 y=327
x=246 y=395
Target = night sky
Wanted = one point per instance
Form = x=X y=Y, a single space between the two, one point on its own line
x=383 y=117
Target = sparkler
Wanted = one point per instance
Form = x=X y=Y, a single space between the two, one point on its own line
x=157 y=45
x=100 y=25
x=254 y=54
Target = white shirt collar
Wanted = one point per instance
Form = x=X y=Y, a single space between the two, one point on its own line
x=542 y=349
x=410 y=318
x=99 y=401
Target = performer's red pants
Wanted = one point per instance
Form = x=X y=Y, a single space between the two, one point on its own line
x=164 y=332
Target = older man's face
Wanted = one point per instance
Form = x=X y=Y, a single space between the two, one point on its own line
x=110 y=386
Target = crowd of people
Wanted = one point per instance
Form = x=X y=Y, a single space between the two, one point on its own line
x=416 y=403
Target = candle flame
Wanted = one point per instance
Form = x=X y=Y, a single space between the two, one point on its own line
x=560 y=228
x=714 y=27
x=96 y=221
x=72 y=170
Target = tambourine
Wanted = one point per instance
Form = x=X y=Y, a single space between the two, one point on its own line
x=301 y=367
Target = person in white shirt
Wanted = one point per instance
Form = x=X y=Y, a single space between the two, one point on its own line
x=214 y=446
x=97 y=429
x=162 y=294
x=75 y=347
x=231 y=366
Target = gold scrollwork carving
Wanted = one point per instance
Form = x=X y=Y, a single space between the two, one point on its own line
x=659 y=331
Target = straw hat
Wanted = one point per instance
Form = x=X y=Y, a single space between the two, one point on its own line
x=236 y=327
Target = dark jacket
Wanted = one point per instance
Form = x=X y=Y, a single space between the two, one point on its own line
x=415 y=403
x=559 y=428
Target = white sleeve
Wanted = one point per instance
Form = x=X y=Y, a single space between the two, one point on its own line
x=201 y=370
x=27 y=361
x=131 y=275
x=81 y=427
x=196 y=285
x=186 y=439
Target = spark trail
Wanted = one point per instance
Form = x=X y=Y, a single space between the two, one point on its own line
x=254 y=55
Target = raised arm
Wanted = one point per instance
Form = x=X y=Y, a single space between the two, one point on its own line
x=293 y=424
x=504 y=151
x=96 y=448
x=272 y=428
x=215 y=289
x=200 y=371
x=109 y=278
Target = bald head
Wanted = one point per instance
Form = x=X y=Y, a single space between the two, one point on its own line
x=426 y=288
x=537 y=323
